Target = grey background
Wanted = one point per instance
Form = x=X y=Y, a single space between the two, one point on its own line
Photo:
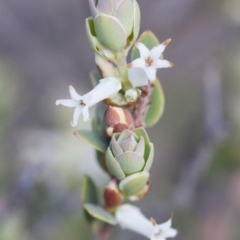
x=196 y=174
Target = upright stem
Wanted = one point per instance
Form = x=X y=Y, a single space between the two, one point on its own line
x=121 y=65
x=143 y=104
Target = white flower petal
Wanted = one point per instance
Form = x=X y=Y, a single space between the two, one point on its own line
x=85 y=113
x=148 y=61
x=74 y=95
x=130 y=217
x=156 y=52
x=170 y=233
x=151 y=73
x=139 y=62
x=107 y=87
x=76 y=115
x=159 y=63
x=137 y=77
x=67 y=103
x=144 y=51
x=166 y=225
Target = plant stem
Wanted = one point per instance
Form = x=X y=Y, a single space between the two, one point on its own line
x=121 y=65
x=143 y=104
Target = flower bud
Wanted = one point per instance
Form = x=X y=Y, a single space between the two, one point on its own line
x=129 y=158
x=117 y=119
x=112 y=195
x=115 y=22
x=131 y=95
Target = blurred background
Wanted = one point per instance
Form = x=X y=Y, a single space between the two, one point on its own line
x=196 y=173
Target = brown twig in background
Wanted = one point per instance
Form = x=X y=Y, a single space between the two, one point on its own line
x=104 y=233
x=141 y=108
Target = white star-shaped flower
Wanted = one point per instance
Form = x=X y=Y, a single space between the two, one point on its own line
x=130 y=217
x=143 y=69
x=106 y=88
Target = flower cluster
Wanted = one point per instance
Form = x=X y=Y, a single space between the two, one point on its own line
x=141 y=71
x=132 y=94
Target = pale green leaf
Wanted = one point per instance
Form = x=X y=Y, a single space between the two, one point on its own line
x=99 y=213
x=88 y=194
x=134 y=183
x=156 y=108
x=93 y=138
x=110 y=32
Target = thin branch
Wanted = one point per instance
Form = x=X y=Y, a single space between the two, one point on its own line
x=143 y=104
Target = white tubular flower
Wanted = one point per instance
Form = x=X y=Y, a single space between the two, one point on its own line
x=106 y=88
x=130 y=217
x=145 y=66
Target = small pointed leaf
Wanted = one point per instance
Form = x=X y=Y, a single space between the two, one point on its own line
x=100 y=214
x=156 y=108
x=97 y=124
x=88 y=191
x=88 y=194
x=93 y=138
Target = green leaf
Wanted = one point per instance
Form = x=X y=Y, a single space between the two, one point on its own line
x=100 y=214
x=101 y=160
x=113 y=166
x=130 y=162
x=156 y=108
x=110 y=32
x=94 y=139
x=148 y=39
x=124 y=14
x=95 y=77
x=91 y=34
x=136 y=21
x=88 y=191
x=98 y=124
x=142 y=132
x=134 y=183
x=150 y=159
x=88 y=195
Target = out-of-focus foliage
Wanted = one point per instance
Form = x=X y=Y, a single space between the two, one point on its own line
x=196 y=173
